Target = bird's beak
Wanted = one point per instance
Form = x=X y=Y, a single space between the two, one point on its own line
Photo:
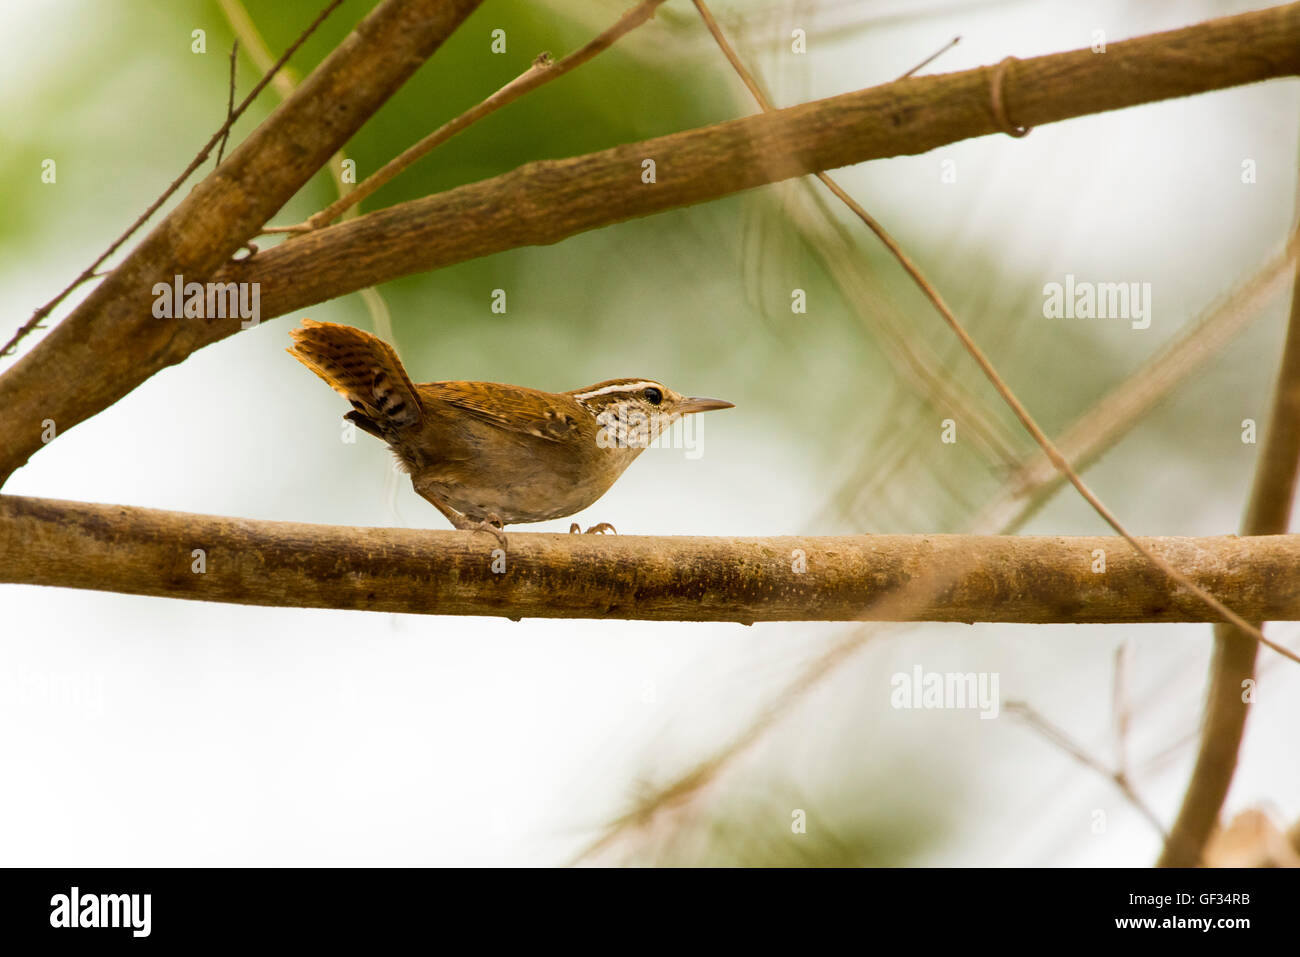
x=703 y=405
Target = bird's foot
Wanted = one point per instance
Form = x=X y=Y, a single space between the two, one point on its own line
x=602 y=529
x=492 y=525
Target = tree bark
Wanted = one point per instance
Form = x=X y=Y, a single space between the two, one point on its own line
x=111 y=342
x=792 y=578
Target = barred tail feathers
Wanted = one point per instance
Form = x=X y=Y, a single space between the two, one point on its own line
x=361 y=367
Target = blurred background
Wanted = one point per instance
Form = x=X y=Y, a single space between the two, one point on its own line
x=138 y=731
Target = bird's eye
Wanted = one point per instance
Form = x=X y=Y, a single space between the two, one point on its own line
x=654 y=396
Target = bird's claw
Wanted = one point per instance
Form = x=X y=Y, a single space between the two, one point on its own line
x=602 y=529
x=492 y=525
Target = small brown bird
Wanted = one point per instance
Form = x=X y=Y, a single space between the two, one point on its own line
x=489 y=455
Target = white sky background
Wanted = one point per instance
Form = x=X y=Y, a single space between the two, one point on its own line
x=137 y=731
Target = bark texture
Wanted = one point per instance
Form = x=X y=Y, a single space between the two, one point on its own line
x=145 y=551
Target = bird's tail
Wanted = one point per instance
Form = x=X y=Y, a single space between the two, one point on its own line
x=364 y=369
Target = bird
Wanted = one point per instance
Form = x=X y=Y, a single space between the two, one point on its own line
x=487 y=455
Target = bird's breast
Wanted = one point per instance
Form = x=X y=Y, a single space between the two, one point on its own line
x=480 y=470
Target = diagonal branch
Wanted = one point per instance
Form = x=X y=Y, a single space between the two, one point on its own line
x=915 y=360
x=543 y=71
x=286 y=82
x=1117 y=775
x=112 y=341
x=219 y=138
x=1036 y=480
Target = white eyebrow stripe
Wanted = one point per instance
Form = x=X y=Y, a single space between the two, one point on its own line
x=617 y=387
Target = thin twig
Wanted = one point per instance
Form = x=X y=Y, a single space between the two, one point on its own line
x=176 y=184
x=1120 y=708
x=543 y=70
x=230 y=102
x=286 y=82
x=912 y=357
x=932 y=57
x=1067 y=744
x=381 y=318
x=691 y=783
x=255 y=48
x=1035 y=480
x=990 y=372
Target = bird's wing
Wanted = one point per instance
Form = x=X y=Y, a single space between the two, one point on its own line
x=509 y=407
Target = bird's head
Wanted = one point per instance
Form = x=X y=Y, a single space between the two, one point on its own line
x=632 y=413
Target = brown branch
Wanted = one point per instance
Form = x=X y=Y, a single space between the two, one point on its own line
x=547 y=201
x=111 y=341
x=220 y=136
x=1224 y=724
x=286 y=82
x=544 y=202
x=543 y=71
x=988 y=578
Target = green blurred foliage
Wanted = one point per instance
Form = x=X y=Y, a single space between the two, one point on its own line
x=766 y=821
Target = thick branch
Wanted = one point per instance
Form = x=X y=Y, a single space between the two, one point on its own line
x=874 y=577
x=544 y=202
x=111 y=342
